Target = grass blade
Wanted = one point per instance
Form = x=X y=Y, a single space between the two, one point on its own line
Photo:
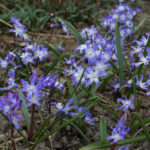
x=96 y=146
x=138 y=125
x=144 y=127
x=46 y=121
x=72 y=29
x=25 y=110
x=72 y=90
x=51 y=48
x=103 y=131
x=81 y=133
x=120 y=57
x=140 y=24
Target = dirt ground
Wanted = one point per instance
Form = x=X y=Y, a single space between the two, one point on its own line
x=68 y=138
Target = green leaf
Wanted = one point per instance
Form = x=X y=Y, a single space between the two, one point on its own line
x=103 y=129
x=4 y=115
x=96 y=146
x=101 y=104
x=108 y=110
x=105 y=81
x=72 y=29
x=25 y=110
x=72 y=92
x=93 y=88
x=78 y=83
x=81 y=94
x=140 y=24
x=120 y=56
x=138 y=125
x=51 y=48
x=144 y=127
x=54 y=63
x=46 y=121
x=81 y=133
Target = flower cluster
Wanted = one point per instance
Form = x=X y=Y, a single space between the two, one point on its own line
x=124 y=14
x=11 y=106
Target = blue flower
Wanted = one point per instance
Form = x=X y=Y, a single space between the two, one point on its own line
x=126 y=103
x=124 y=148
x=92 y=75
x=143 y=60
x=10 y=81
x=119 y=131
x=40 y=52
x=19 y=30
x=88 y=118
x=116 y=85
x=34 y=86
x=140 y=83
x=64 y=109
x=4 y=63
x=14 y=118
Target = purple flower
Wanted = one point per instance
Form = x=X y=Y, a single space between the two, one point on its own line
x=77 y=74
x=64 y=27
x=102 y=65
x=129 y=83
x=34 y=98
x=19 y=30
x=69 y=61
x=124 y=148
x=90 y=54
x=15 y=21
x=15 y=118
x=126 y=103
x=89 y=33
x=41 y=52
x=34 y=86
x=52 y=25
x=80 y=109
x=92 y=74
x=64 y=109
x=142 y=85
x=5 y=106
x=27 y=58
x=143 y=60
x=88 y=118
x=28 y=46
x=4 y=63
x=119 y=131
x=81 y=48
x=58 y=85
x=10 y=81
x=116 y=85
x=136 y=50
x=13 y=98
x=70 y=71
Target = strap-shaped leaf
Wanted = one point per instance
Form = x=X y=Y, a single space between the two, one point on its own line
x=25 y=110
x=140 y=24
x=120 y=56
x=96 y=146
x=72 y=29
